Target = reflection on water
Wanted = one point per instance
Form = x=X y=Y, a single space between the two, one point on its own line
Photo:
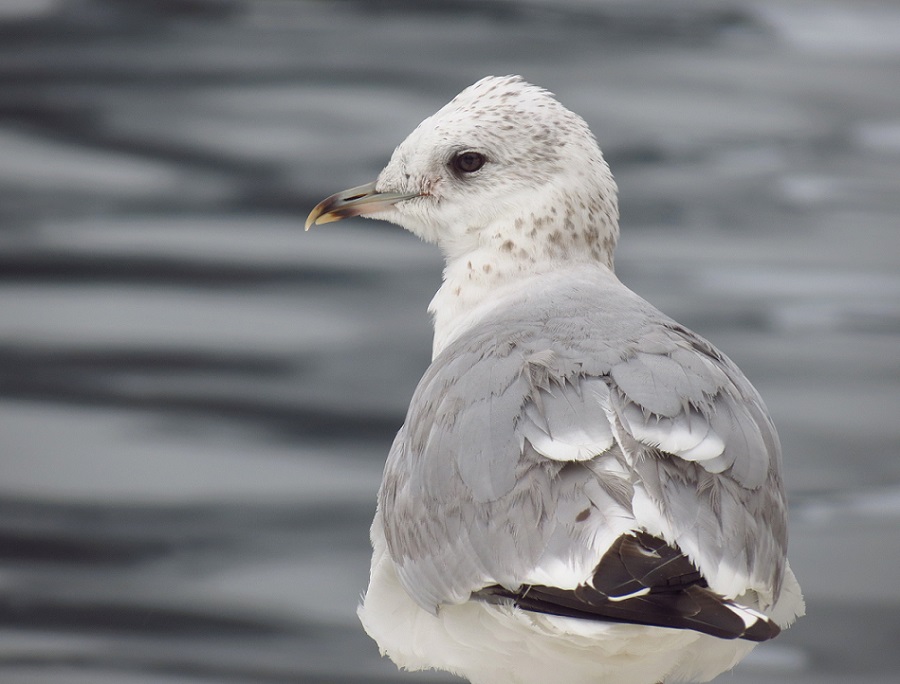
x=196 y=397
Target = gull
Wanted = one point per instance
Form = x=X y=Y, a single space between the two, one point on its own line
x=583 y=491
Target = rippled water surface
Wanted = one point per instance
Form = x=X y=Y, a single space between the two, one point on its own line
x=196 y=398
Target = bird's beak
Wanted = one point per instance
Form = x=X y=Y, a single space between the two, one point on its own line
x=353 y=202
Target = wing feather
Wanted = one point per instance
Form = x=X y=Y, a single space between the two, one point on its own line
x=525 y=456
x=643 y=580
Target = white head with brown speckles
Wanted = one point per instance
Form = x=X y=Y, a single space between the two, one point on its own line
x=505 y=180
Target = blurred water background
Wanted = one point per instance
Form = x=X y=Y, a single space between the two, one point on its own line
x=196 y=398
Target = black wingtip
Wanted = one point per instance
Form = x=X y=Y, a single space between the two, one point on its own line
x=761 y=630
x=643 y=580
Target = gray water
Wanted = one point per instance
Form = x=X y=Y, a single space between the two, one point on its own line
x=196 y=398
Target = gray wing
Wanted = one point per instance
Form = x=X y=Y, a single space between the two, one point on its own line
x=544 y=434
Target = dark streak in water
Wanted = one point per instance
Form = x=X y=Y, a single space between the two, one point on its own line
x=66 y=268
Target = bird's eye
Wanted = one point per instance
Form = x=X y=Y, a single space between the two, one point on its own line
x=468 y=162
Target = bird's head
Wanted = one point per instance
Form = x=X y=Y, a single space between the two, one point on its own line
x=503 y=156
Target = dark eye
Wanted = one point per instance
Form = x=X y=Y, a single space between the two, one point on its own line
x=468 y=162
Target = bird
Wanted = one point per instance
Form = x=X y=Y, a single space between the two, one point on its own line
x=583 y=490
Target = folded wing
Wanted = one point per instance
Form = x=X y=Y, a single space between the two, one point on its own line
x=630 y=477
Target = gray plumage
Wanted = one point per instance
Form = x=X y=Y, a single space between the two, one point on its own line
x=469 y=501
